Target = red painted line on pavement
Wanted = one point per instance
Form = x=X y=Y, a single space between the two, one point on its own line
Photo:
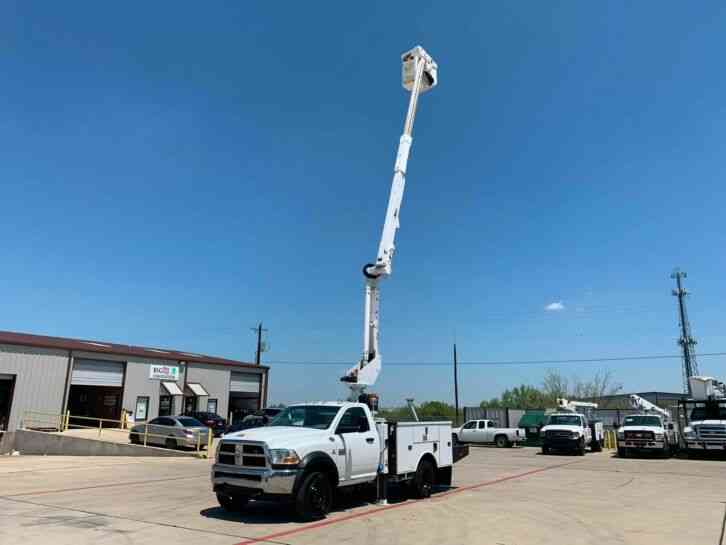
x=376 y=510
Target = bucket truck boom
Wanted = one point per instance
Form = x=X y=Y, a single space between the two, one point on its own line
x=637 y=402
x=419 y=75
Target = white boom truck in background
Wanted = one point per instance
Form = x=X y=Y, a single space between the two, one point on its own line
x=487 y=432
x=704 y=415
x=651 y=430
x=569 y=429
x=310 y=450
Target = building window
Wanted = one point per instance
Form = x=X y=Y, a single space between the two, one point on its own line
x=165 y=405
x=190 y=404
x=212 y=406
x=142 y=409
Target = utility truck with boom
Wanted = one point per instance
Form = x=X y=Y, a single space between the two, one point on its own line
x=571 y=430
x=311 y=450
x=651 y=430
x=705 y=416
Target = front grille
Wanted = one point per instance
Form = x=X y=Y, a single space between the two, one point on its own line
x=242 y=454
x=710 y=432
x=641 y=435
x=558 y=434
x=227 y=447
x=253 y=461
x=253 y=449
x=222 y=474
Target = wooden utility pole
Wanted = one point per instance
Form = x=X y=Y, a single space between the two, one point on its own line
x=456 y=387
x=259 y=350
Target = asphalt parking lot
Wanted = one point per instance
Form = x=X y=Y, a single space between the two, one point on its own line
x=501 y=497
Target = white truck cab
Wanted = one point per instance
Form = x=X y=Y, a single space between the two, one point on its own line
x=646 y=433
x=649 y=431
x=309 y=450
x=705 y=416
x=572 y=432
x=486 y=431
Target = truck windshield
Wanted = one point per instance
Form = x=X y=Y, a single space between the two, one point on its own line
x=639 y=420
x=701 y=413
x=318 y=417
x=564 y=420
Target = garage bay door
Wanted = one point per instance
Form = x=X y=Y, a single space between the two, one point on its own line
x=97 y=373
x=245 y=382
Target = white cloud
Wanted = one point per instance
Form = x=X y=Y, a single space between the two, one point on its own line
x=555 y=307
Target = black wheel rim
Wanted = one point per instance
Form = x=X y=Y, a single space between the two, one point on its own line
x=319 y=495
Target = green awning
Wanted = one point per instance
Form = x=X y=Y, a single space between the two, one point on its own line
x=532 y=419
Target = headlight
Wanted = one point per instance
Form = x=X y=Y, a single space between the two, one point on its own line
x=658 y=436
x=690 y=434
x=621 y=435
x=575 y=435
x=284 y=457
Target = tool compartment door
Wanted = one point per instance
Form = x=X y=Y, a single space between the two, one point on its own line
x=414 y=439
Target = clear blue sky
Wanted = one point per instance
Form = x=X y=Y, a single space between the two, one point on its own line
x=171 y=173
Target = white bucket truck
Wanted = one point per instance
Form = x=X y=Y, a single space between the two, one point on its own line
x=311 y=450
x=651 y=430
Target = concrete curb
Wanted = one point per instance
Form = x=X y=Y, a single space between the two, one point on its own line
x=54 y=444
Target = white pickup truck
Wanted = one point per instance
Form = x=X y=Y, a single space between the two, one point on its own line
x=572 y=432
x=646 y=433
x=310 y=450
x=486 y=431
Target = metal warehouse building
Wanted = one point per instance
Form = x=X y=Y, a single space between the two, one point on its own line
x=98 y=379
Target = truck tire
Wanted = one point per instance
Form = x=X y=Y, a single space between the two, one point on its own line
x=423 y=481
x=595 y=446
x=622 y=452
x=314 y=499
x=667 y=451
x=501 y=441
x=170 y=443
x=545 y=449
x=581 y=447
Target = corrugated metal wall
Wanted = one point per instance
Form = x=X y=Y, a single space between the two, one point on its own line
x=40 y=379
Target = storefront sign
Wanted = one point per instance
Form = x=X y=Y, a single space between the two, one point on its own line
x=164 y=372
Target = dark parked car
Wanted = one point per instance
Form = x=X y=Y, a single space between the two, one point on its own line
x=271 y=412
x=211 y=420
x=249 y=422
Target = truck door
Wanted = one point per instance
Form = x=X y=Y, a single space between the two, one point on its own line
x=484 y=432
x=361 y=444
x=468 y=432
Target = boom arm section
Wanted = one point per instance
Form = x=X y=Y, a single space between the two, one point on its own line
x=638 y=402
x=573 y=406
x=419 y=75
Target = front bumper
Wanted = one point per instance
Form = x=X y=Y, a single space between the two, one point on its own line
x=642 y=444
x=705 y=445
x=254 y=482
x=562 y=443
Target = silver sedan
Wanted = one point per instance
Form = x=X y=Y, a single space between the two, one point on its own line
x=171 y=432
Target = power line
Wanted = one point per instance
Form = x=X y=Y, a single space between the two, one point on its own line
x=504 y=362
